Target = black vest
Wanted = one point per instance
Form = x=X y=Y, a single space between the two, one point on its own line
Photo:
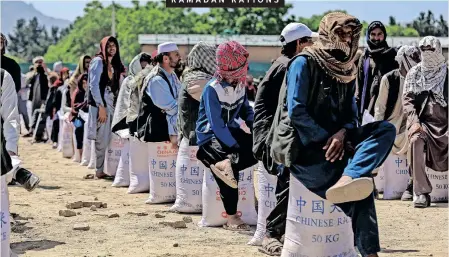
x=329 y=102
x=394 y=81
x=151 y=125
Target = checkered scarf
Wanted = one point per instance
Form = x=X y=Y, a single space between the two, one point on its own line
x=406 y=56
x=232 y=62
x=322 y=50
x=201 y=63
x=430 y=73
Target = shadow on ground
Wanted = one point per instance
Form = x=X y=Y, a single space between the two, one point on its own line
x=398 y=251
x=40 y=245
x=49 y=187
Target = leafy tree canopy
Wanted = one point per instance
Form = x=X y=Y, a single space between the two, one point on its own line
x=84 y=35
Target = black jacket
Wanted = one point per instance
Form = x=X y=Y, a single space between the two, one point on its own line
x=266 y=104
x=12 y=68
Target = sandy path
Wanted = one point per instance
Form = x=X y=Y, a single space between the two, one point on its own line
x=405 y=231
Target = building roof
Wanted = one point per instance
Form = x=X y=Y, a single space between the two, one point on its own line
x=256 y=40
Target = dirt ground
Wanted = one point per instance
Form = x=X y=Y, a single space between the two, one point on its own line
x=404 y=231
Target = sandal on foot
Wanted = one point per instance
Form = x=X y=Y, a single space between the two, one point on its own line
x=271 y=247
x=225 y=175
x=236 y=227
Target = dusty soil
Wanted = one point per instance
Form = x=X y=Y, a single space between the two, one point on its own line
x=405 y=231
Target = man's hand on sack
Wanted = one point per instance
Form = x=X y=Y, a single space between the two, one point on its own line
x=335 y=146
x=102 y=114
x=174 y=141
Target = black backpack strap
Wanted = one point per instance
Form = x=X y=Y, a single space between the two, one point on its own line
x=162 y=75
x=2 y=74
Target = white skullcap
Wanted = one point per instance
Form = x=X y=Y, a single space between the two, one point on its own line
x=167 y=47
x=38 y=58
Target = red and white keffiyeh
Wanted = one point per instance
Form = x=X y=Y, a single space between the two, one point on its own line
x=232 y=62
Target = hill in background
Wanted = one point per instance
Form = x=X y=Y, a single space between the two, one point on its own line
x=12 y=11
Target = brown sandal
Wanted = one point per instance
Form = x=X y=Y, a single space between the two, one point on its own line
x=89 y=176
x=271 y=247
x=225 y=175
x=237 y=227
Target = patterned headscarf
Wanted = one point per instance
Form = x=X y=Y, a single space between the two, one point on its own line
x=202 y=57
x=323 y=49
x=430 y=73
x=407 y=57
x=201 y=66
x=232 y=62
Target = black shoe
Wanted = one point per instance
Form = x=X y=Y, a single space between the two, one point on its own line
x=423 y=201
x=12 y=183
x=28 y=135
x=32 y=183
x=408 y=193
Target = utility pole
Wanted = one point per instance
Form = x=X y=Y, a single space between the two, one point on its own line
x=113 y=19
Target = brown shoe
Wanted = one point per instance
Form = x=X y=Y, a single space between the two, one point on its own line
x=223 y=170
x=348 y=189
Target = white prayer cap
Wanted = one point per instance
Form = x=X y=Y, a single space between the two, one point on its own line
x=167 y=47
x=38 y=58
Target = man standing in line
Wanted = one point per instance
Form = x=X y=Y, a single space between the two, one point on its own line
x=104 y=78
x=160 y=98
x=37 y=80
x=294 y=38
x=9 y=64
x=224 y=147
x=389 y=103
x=336 y=156
x=425 y=101
x=377 y=60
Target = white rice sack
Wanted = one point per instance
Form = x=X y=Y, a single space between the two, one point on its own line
x=189 y=180
x=266 y=187
x=61 y=123
x=439 y=182
x=214 y=214
x=162 y=172
x=48 y=127
x=315 y=227
x=76 y=156
x=93 y=155
x=67 y=139
x=5 y=231
x=122 y=175
x=379 y=180
x=396 y=176
x=87 y=144
x=139 y=175
x=113 y=154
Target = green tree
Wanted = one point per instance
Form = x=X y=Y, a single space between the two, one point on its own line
x=427 y=25
x=28 y=40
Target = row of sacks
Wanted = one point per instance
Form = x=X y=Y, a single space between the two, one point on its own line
x=315 y=222
x=393 y=177
x=172 y=175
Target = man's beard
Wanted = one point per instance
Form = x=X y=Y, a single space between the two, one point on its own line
x=175 y=65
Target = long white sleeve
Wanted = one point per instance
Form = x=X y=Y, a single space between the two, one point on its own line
x=9 y=113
